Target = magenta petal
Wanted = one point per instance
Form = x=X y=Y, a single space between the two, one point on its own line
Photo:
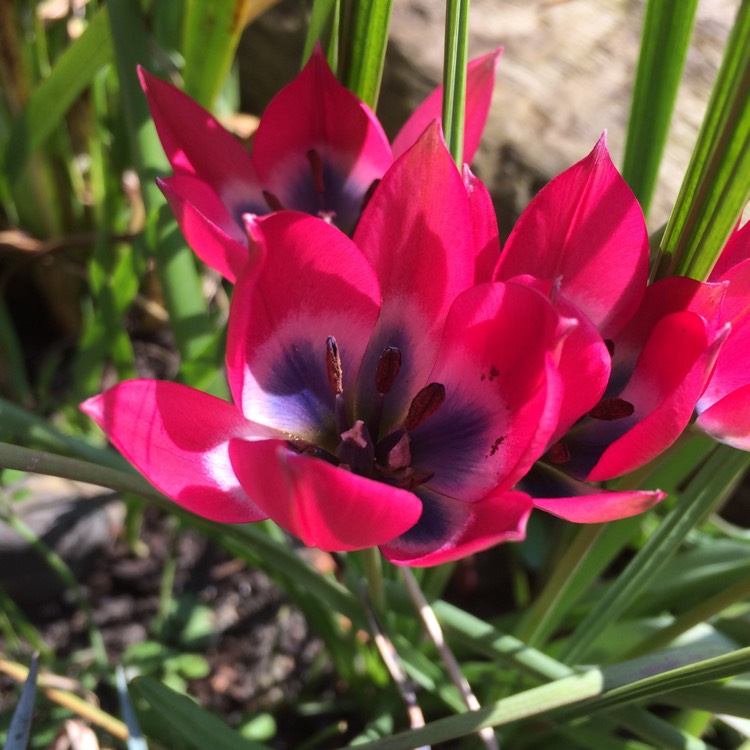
x=728 y=419
x=480 y=82
x=499 y=517
x=193 y=140
x=312 y=284
x=586 y=229
x=323 y=505
x=316 y=113
x=735 y=252
x=417 y=233
x=209 y=230
x=484 y=223
x=494 y=422
x=670 y=376
x=599 y=506
x=178 y=437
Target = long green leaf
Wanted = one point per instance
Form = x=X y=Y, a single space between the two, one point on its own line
x=578 y=696
x=716 y=187
x=667 y=27
x=180 y=280
x=20 y=725
x=456 y=57
x=365 y=51
x=211 y=34
x=186 y=719
x=700 y=497
x=71 y=75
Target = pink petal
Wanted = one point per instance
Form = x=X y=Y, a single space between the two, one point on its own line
x=480 y=82
x=586 y=229
x=599 y=506
x=668 y=379
x=417 y=232
x=499 y=517
x=484 y=223
x=312 y=283
x=323 y=505
x=194 y=141
x=209 y=230
x=493 y=424
x=315 y=112
x=728 y=419
x=178 y=437
x=735 y=251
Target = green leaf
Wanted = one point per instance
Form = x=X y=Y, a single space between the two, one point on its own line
x=454 y=76
x=211 y=34
x=365 y=50
x=732 y=698
x=322 y=11
x=667 y=27
x=185 y=718
x=71 y=75
x=703 y=493
x=717 y=184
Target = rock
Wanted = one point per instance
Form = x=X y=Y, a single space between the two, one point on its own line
x=73 y=519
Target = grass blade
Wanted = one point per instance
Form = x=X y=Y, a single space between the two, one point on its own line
x=717 y=184
x=667 y=27
x=20 y=725
x=71 y=75
x=456 y=58
x=365 y=53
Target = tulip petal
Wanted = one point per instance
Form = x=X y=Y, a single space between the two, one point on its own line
x=209 y=230
x=599 y=506
x=670 y=375
x=480 y=82
x=417 y=233
x=586 y=229
x=484 y=223
x=196 y=143
x=325 y=506
x=178 y=438
x=449 y=530
x=313 y=283
x=728 y=419
x=493 y=423
x=315 y=113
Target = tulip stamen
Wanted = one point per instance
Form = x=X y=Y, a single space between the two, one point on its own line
x=424 y=405
x=273 y=202
x=386 y=372
x=609 y=409
x=335 y=374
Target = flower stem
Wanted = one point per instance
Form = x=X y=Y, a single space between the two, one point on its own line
x=435 y=632
x=374 y=574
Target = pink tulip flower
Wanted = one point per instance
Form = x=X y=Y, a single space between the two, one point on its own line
x=318 y=149
x=584 y=235
x=381 y=395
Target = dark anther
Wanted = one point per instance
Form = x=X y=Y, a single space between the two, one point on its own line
x=316 y=167
x=388 y=368
x=424 y=405
x=558 y=453
x=273 y=202
x=612 y=408
x=368 y=193
x=333 y=366
x=610 y=346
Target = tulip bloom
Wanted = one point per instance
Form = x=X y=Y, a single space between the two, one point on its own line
x=317 y=149
x=724 y=408
x=585 y=234
x=381 y=395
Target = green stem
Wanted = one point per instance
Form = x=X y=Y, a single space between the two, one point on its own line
x=374 y=573
x=454 y=76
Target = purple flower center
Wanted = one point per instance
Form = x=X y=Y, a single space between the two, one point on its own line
x=389 y=459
